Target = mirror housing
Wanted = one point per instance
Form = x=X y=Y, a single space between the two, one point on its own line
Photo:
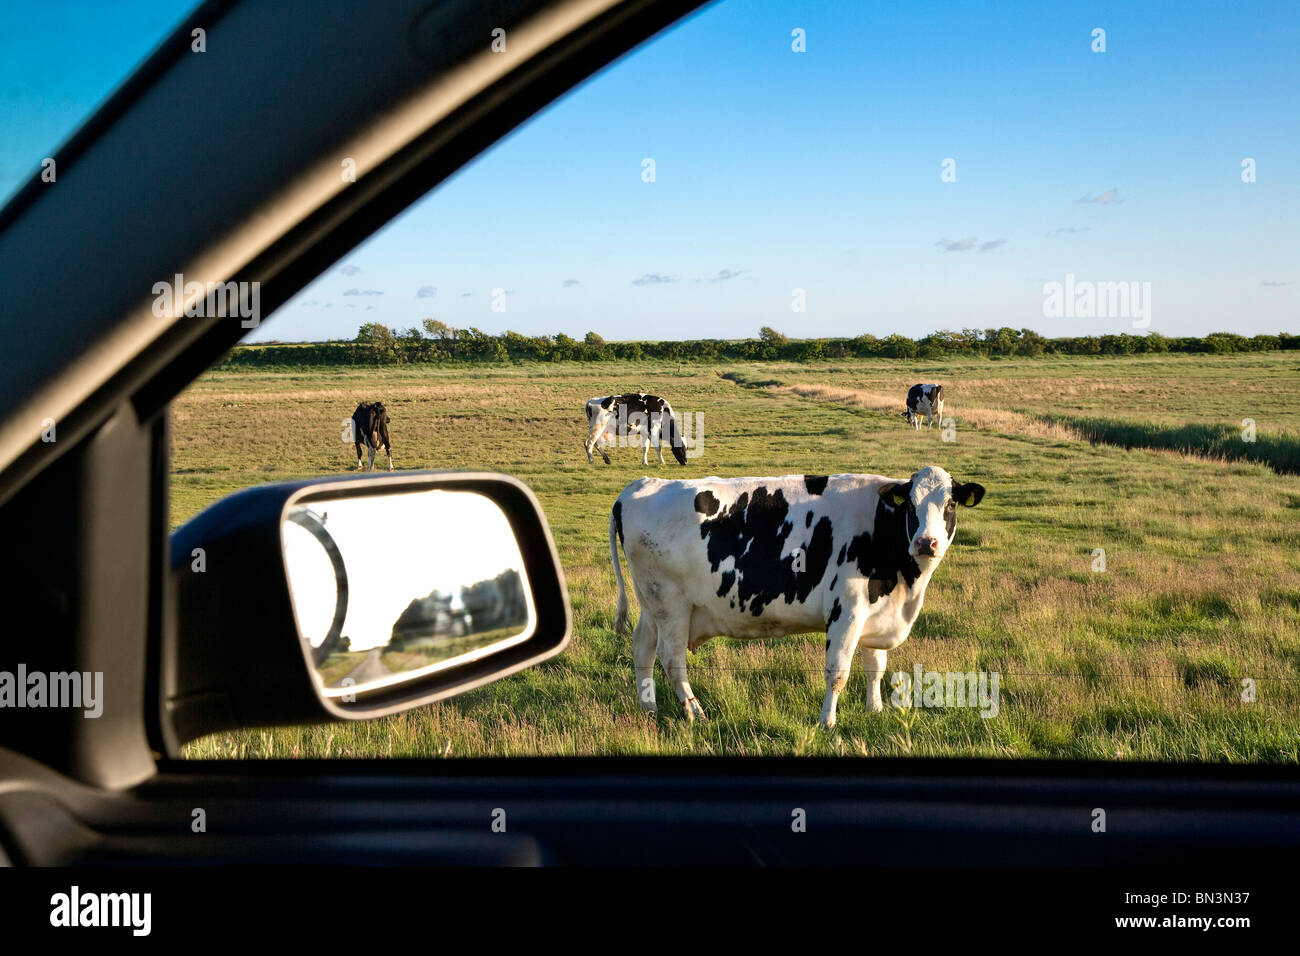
x=232 y=655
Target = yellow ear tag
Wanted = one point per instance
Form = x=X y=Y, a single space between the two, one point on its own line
x=970 y=499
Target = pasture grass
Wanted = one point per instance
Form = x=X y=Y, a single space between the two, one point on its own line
x=1142 y=661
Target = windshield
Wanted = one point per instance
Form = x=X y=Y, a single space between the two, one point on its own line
x=978 y=328
x=59 y=60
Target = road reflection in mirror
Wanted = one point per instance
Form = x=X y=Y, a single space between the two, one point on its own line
x=389 y=587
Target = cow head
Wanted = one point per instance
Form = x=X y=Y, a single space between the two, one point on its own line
x=929 y=502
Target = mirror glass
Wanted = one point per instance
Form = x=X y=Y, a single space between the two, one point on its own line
x=388 y=587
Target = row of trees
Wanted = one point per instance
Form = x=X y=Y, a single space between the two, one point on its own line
x=377 y=344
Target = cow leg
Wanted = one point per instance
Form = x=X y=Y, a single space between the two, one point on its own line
x=389 y=452
x=674 y=634
x=645 y=449
x=359 y=465
x=594 y=441
x=841 y=641
x=371 y=449
x=873 y=663
x=643 y=658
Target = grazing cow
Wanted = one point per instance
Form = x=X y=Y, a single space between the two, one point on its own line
x=647 y=417
x=370 y=430
x=753 y=558
x=924 y=400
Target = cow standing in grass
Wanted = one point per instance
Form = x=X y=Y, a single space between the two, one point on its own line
x=647 y=417
x=370 y=431
x=924 y=400
x=753 y=558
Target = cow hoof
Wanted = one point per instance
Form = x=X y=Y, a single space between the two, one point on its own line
x=694 y=711
x=826 y=725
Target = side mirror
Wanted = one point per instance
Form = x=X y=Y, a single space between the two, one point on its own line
x=351 y=598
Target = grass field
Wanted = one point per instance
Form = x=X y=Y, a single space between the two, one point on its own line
x=1144 y=660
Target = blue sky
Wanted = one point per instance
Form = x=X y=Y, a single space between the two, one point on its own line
x=820 y=171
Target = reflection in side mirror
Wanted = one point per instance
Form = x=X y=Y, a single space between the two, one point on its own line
x=392 y=587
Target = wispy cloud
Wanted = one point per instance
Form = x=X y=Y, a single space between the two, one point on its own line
x=567 y=283
x=992 y=244
x=1273 y=283
x=426 y=292
x=956 y=245
x=363 y=292
x=1109 y=197
x=653 y=278
x=350 y=270
x=1066 y=231
x=724 y=274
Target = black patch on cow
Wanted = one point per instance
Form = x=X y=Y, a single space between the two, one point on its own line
x=754 y=532
x=882 y=558
x=840 y=559
x=950 y=518
x=914 y=397
x=815 y=484
x=807 y=520
x=828 y=643
x=618 y=522
x=706 y=503
x=836 y=610
x=728 y=579
x=640 y=402
x=833 y=581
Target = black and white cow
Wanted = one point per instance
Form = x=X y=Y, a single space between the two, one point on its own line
x=370 y=430
x=639 y=415
x=924 y=400
x=753 y=558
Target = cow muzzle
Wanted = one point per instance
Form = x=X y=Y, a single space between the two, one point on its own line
x=924 y=546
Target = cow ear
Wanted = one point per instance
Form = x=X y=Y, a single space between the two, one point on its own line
x=895 y=493
x=969 y=494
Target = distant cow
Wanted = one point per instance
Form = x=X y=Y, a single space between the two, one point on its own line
x=647 y=417
x=753 y=558
x=370 y=430
x=924 y=400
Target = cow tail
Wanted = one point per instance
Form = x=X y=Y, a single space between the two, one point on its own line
x=620 y=618
x=675 y=436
